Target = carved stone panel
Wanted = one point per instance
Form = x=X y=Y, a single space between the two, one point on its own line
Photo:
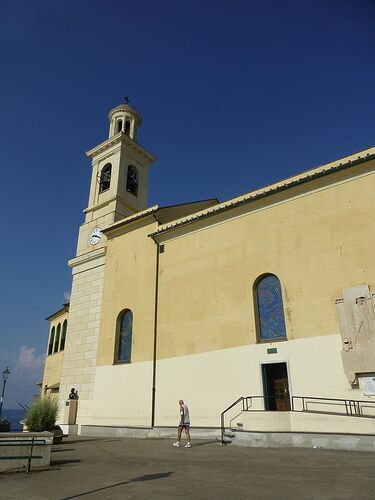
x=356 y=315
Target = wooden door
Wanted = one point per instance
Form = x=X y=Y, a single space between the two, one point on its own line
x=281 y=390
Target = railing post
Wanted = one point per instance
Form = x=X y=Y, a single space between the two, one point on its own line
x=222 y=429
x=31 y=454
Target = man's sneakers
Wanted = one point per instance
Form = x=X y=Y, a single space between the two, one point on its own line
x=177 y=444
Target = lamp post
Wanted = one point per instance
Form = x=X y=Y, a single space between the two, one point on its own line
x=5 y=378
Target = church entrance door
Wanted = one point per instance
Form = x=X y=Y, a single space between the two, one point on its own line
x=275 y=387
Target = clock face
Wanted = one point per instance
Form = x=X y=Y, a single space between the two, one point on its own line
x=95 y=236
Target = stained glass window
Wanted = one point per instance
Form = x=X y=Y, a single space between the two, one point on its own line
x=63 y=336
x=125 y=332
x=51 y=341
x=57 y=339
x=271 y=320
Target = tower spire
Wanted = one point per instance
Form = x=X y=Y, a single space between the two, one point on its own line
x=126 y=119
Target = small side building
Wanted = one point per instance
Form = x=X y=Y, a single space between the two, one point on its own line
x=58 y=330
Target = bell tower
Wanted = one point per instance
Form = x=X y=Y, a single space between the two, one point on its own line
x=120 y=168
x=119 y=180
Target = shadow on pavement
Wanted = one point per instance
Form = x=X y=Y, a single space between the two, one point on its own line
x=62 y=449
x=64 y=462
x=146 y=477
x=90 y=440
x=195 y=445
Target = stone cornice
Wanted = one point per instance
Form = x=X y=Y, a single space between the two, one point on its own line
x=117 y=139
x=87 y=257
x=102 y=204
x=105 y=203
x=130 y=219
x=58 y=313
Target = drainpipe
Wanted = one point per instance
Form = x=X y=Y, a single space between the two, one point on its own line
x=153 y=397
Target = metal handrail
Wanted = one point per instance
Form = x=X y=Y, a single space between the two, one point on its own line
x=242 y=399
x=353 y=407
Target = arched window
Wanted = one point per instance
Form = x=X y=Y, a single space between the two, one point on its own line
x=269 y=309
x=63 y=336
x=105 y=177
x=124 y=337
x=132 y=180
x=57 y=340
x=127 y=127
x=51 y=340
x=119 y=126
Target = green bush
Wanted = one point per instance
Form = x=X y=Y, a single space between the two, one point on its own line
x=43 y=414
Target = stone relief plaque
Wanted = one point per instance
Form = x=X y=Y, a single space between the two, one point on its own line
x=356 y=315
x=368 y=386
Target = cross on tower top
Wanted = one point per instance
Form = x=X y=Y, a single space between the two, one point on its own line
x=127 y=100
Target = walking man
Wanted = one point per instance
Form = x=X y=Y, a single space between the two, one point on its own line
x=184 y=424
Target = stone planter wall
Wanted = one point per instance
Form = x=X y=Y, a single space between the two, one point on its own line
x=8 y=450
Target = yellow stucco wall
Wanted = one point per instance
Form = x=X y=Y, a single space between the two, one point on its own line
x=316 y=238
x=129 y=283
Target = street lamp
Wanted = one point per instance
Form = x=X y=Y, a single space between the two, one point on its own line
x=5 y=378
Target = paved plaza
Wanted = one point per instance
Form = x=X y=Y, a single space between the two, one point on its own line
x=94 y=468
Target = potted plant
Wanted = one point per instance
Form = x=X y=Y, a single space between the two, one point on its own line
x=42 y=416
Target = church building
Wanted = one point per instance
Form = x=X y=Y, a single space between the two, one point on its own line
x=267 y=300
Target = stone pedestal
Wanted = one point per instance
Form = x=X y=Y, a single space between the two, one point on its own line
x=70 y=411
x=69 y=430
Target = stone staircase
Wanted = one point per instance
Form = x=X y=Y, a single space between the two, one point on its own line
x=228 y=437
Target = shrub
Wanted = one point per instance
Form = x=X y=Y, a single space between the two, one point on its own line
x=43 y=414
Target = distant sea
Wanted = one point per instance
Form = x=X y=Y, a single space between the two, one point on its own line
x=14 y=417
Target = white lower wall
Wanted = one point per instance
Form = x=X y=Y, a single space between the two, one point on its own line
x=210 y=382
x=122 y=395
x=285 y=421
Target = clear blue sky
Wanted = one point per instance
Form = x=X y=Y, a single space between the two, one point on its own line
x=234 y=94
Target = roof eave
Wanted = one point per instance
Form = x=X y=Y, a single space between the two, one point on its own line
x=246 y=199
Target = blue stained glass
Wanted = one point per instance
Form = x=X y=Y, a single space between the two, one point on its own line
x=51 y=341
x=125 y=336
x=63 y=337
x=57 y=339
x=270 y=309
